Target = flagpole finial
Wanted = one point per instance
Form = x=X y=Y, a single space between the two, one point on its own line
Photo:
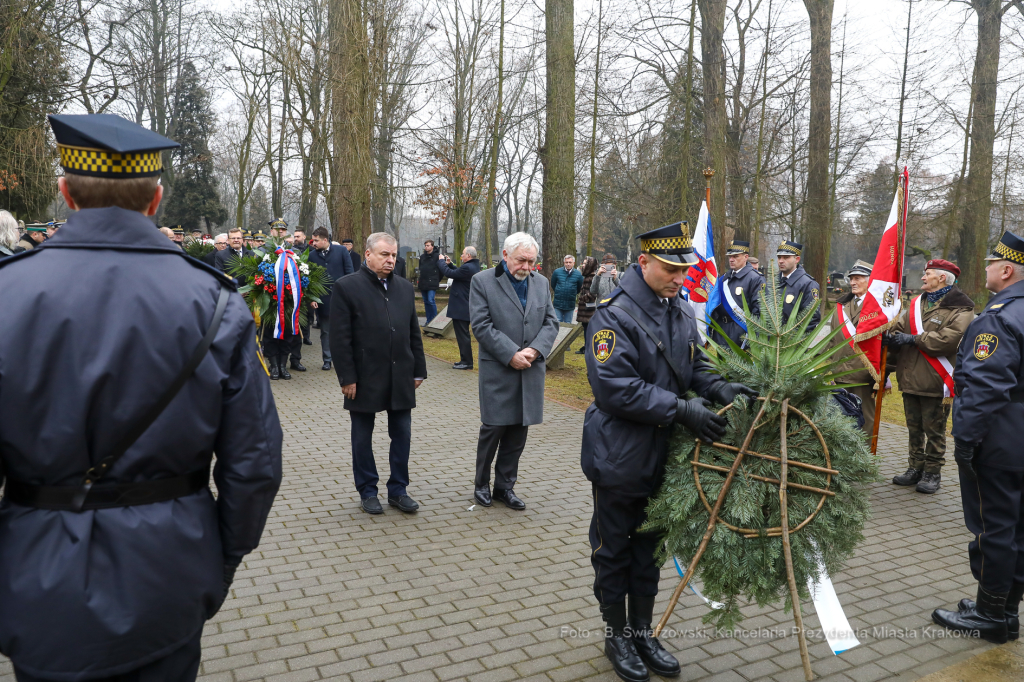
x=709 y=173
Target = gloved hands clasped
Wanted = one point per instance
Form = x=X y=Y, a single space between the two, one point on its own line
x=724 y=392
x=963 y=453
x=695 y=415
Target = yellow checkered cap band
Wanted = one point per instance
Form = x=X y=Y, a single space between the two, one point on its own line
x=1009 y=254
x=665 y=244
x=739 y=249
x=107 y=164
x=789 y=249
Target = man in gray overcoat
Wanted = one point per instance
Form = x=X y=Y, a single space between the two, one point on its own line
x=514 y=322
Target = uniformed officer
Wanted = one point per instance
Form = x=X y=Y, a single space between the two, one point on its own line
x=847 y=314
x=643 y=354
x=113 y=552
x=35 y=234
x=179 y=234
x=796 y=283
x=742 y=282
x=258 y=239
x=987 y=413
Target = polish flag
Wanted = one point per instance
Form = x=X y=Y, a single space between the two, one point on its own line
x=702 y=277
x=882 y=303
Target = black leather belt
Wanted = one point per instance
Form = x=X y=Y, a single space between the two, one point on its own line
x=61 y=497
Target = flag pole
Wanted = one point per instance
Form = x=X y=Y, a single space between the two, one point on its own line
x=708 y=174
x=900 y=236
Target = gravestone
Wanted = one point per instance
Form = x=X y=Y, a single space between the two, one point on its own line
x=567 y=333
x=441 y=326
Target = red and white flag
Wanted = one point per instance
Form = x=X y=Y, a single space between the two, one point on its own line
x=882 y=303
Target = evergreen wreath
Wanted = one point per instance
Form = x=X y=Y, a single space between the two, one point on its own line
x=255 y=271
x=744 y=557
x=197 y=248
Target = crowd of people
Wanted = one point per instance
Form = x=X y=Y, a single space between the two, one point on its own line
x=126 y=461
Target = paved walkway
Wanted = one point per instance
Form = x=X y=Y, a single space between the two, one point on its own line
x=454 y=593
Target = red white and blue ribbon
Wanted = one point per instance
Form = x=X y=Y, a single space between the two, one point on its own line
x=286 y=263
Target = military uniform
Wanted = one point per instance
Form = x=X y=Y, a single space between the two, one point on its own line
x=27 y=242
x=737 y=286
x=851 y=307
x=626 y=433
x=119 y=578
x=798 y=284
x=988 y=411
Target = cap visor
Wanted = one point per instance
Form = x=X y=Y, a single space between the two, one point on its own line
x=683 y=260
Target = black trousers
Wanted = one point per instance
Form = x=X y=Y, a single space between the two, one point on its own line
x=462 y=336
x=364 y=467
x=181 y=665
x=273 y=348
x=993 y=507
x=623 y=558
x=508 y=443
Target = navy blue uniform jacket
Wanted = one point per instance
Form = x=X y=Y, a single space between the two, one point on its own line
x=458 y=294
x=338 y=263
x=989 y=376
x=97 y=323
x=744 y=284
x=801 y=285
x=627 y=427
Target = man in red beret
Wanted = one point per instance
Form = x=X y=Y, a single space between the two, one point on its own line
x=924 y=343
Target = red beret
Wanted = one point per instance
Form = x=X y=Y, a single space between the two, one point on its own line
x=939 y=264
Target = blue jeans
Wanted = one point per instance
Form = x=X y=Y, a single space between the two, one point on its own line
x=364 y=468
x=564 y=315
x=429 y=305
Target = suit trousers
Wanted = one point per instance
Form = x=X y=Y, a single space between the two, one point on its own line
x=364 y=467
x=462 y=336
x=508 y=443
x=994 y=514
x=622 y=557
x=325 y=339
x=181 y=665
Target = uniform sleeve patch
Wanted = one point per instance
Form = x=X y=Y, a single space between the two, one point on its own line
x=985 y=346
x=603 y=343
x=814 y=292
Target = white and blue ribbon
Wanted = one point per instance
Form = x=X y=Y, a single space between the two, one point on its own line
x=286 y=263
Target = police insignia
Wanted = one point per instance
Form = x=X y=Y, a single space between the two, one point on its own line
x=814 y=293
x=985 y=345
x=603 y=344
x=789 y=298
x=739 y=291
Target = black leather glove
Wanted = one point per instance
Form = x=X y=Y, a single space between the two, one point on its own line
x=963 y=453
x=695 y=415
x=230 y=566
x=724 y=393
x=901 y=339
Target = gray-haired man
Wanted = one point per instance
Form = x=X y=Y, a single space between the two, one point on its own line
x=515 y=324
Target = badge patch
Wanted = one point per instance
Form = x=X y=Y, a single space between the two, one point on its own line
x=814 y=292
x=739 y=291
x=789 y=298
x=985 y=345
x=603 y=344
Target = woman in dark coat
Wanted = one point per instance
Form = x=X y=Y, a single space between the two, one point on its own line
x=588 y=301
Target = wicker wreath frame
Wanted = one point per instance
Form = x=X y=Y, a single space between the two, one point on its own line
x=775 y=531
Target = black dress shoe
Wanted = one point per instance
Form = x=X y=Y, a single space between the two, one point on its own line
x=986 y=620
x=275 y=373
x=509 y=498
x=307 y=342
x=404 y=503
x=928 y=484
x=624 y=658
x=653 y=654
x=283 y=368
x=482 y=494
x=910 y=477
x=371 y=505
x=327 y=365
x=298 y=366
x=462 y=365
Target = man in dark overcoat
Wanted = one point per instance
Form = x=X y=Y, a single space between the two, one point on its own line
x=378 y=355
x=336 y=261
x=514 y=322
x=236 y=249
x=797 y=284
x=458 y=301
x=429 y=279
x=113 y=552
x=639 y=394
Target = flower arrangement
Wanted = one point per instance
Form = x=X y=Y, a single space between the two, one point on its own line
x=258 y=272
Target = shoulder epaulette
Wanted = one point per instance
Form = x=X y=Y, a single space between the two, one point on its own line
x=606 y=301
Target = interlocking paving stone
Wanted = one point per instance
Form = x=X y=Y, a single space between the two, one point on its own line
x=489 y=595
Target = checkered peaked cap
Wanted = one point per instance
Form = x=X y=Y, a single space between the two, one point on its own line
x=670 y=244
x=108 y=146
x=1010 y=247
x=737 y=247
x=790 y=248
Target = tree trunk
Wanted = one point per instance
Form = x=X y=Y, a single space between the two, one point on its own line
x=558 y=152
x=593 y=131
x=974 y=232
x=686 y=162
x=712 y=34
x=351 y=117
x=817 y=238
x=490 y=213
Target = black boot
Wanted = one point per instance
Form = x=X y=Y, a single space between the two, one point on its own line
x=986 y=620
x=929 y=483
x=619 y=648
x=641 y=617
x=275 y=373
x=282 y=367
x=1012 y=610
x=910 y=477
x=297 y=365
